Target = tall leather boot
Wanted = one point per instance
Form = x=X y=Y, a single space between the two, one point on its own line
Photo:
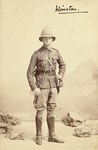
x=38 y=130
x=51 y=126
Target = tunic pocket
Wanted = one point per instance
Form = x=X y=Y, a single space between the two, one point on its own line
x=42 y=64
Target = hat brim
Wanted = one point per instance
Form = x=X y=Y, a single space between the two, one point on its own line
x=41 y=37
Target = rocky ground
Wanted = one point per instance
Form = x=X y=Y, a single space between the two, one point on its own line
x=65 y=132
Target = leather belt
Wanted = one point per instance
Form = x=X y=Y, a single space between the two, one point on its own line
x=50 y=73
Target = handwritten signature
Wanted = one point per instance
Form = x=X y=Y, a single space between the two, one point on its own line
x=65 y=10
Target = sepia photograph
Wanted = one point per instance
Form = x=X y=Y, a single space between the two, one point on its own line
x=48 y=75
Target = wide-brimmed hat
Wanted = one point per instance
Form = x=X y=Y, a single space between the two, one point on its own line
x=46 y=32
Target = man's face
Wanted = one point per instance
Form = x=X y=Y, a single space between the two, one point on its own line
x=47 y=40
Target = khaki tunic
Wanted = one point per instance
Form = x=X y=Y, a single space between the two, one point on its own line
x=41 y=72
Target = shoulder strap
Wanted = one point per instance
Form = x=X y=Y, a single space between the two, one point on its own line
x=49 y=61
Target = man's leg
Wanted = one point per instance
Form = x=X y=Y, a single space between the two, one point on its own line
x=40 y=105
x=51 y=128
x=51 y=105
x=38 y=121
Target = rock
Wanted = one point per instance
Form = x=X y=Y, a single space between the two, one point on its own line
x=72 y=119
x=6 y=118
x=15 y=135
x=87 y=128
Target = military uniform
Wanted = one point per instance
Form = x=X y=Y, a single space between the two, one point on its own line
x=42 y=74
x=45 y=74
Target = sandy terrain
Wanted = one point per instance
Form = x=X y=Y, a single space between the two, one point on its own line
x=71 y=142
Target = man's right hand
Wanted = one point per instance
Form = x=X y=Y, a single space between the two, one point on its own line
x=37 y=92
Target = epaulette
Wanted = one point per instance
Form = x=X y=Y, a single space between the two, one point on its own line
x=38 y=50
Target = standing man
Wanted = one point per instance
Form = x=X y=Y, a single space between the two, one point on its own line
x=45 y=83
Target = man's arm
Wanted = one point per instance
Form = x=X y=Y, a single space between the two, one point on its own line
x=31 y=71
x=62 y=65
